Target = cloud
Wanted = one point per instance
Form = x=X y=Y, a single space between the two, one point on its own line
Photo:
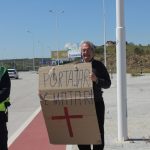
x=71 y=46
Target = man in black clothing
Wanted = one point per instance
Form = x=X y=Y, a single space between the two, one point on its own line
x=4 y=103
x=101 y=79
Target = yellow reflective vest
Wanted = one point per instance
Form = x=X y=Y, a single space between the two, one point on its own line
x=2 y=105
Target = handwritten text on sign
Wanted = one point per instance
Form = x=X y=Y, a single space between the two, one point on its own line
x=67 y=77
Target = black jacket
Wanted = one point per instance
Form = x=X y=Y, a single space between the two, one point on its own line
x=103 y=79
x=5 y=86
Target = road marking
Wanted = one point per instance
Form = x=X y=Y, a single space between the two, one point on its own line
x=26 y=123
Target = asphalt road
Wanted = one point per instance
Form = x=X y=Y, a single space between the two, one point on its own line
x=25 y=102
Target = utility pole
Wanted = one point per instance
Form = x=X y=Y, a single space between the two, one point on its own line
x=121 y=71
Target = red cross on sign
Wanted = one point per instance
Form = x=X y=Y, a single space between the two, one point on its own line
x=67 y=117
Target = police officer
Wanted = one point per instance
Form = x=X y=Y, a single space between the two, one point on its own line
x=5 y=85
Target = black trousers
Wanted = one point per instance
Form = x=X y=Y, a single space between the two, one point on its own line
x=3 y=131
x=100 y=111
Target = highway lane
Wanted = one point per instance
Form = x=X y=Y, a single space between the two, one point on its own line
x=25 y=103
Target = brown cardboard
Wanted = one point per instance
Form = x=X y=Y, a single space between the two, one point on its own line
x=67 y=103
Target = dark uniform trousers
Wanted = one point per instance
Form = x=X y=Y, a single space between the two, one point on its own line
x=100 y=111
x=3 y=131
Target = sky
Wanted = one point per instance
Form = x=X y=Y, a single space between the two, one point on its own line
x=28 y=28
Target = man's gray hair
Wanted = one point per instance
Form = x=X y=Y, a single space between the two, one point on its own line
x=88 y=43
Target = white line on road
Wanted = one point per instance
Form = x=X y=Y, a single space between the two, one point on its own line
x=20 y=130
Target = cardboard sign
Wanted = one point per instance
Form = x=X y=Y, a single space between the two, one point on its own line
x=67 y=103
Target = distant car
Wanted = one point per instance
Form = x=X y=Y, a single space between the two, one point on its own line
x=13 y=73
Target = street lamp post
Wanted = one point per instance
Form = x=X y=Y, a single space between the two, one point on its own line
x=121 y=72
x=41 y=46
x=57 y=36
x=33 y=61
